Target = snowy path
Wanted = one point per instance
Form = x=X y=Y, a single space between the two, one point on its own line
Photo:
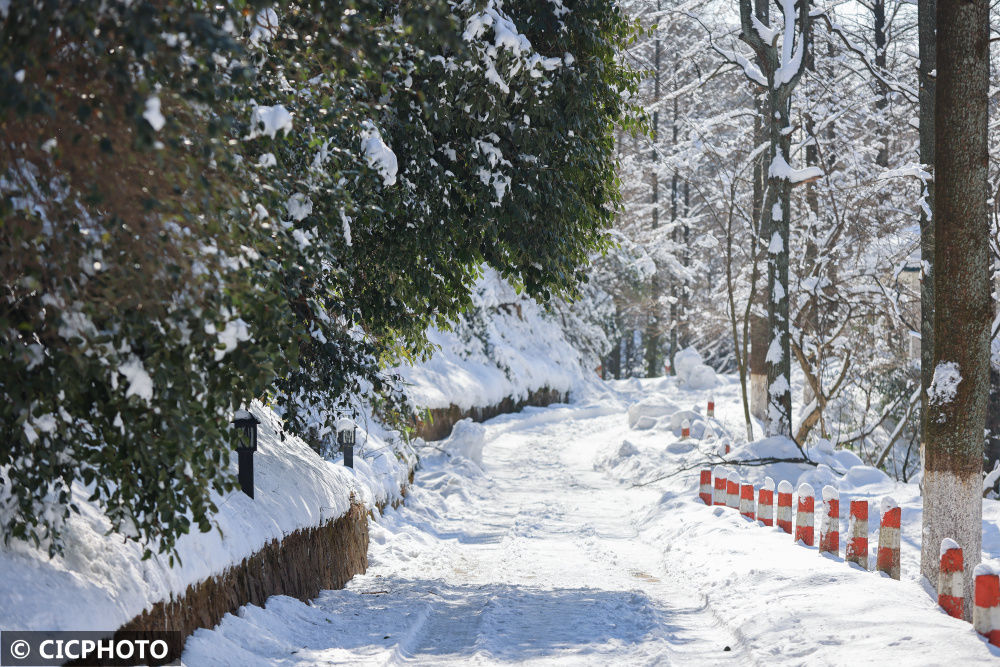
x=548 y=554
x=541 y=562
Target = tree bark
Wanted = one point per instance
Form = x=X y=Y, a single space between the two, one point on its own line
x=993 y=422
x=613 y=364
x=778 y=420
x=956 y=416
x=878 y=18
x=758 y=322
x=777 y=206
x=651 y=336
x=926 y=17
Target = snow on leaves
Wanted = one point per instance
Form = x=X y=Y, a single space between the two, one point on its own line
x=378 y=154
x=269 y=120
x=153 y=115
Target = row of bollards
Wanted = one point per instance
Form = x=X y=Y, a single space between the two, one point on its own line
x=985 y=596
x=686 y=424
x=721 y=487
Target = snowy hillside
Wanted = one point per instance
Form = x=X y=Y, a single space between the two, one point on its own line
x=508 y=346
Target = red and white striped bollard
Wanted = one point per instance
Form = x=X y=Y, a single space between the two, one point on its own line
x=829 y=528
x=765 y=502
x=746 y=501
x=857 y=534
x=685 y=429
x=705 y=487
x=785 y=506
x=733 y=491
x=950 y=584
x=887 y=558
x=719 y=492
x=711 y=408
x=986 y=612
x=804 y=515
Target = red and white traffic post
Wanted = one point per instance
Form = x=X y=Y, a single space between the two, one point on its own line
x=804 y=515
x=829 y=530
x=765 y=502
x=785 y=506
x=950 y=584
x=857 y=534
x=705 y=487
x=887 y=558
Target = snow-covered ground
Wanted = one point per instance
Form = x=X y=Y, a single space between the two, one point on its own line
x=547 y=552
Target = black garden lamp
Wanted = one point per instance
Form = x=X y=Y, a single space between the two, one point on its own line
x=246 y=444
x=345 y=438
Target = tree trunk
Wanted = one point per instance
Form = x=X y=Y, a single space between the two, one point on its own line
x=758 y=323
x=778 y=420
x=878 y=18
x=777 y=207
x=809 y=316
x=613 y=364
x=926 y=13
x=956 y=414
x=993 y=421
x=758 y=369
x=651 y=337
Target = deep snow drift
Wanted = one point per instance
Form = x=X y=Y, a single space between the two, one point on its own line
x=548 y=553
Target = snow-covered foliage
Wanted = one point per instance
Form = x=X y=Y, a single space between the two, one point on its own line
x=207 y=204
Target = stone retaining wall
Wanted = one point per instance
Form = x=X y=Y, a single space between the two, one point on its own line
x=442 y=420
x=300 y=565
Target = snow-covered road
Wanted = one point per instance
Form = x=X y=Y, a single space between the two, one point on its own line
x=538 y=557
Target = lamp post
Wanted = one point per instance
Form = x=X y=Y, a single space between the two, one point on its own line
x=246 y=444
x=345 y=438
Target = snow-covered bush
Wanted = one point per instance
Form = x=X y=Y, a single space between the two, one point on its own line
x=202 y=205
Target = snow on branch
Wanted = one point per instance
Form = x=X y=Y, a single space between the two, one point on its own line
x=792 y=50
x=766 y=33
x=752 y=71
x=780 y=169
x=892 y=84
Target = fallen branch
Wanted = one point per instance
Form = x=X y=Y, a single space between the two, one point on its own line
x=753 y=463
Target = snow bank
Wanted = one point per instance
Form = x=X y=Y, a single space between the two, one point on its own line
x=692 y=370
x=466 y=440
x=743 y=568
x=101 y=582
x=511 y=348
x=650 y=409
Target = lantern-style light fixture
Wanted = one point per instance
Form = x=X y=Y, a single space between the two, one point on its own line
x=246 y=444
x=346 y=430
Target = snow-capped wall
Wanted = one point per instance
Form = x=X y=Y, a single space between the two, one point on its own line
x=101 y=581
